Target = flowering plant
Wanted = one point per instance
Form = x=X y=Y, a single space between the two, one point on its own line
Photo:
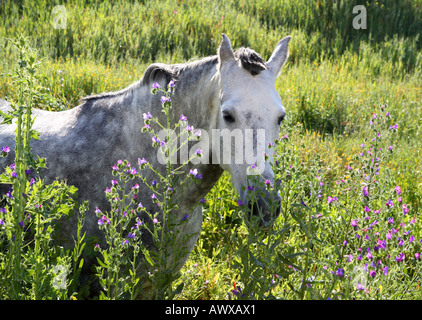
x=31 y=266
x=128 y=220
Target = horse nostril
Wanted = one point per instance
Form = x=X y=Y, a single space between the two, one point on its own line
x=281 y=119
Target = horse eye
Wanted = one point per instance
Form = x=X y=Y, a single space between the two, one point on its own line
x=280 y=119
x=228 y=117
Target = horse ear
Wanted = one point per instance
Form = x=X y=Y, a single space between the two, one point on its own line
x=225 y=51
x=279 y=56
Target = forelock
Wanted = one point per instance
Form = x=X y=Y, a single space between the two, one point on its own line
x=250 y=60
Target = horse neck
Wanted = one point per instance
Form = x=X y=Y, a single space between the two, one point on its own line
x=197 y=94
x=197 y=97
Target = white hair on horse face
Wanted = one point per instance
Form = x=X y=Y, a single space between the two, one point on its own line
x=249 y=100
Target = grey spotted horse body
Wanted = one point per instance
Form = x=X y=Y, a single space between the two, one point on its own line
x=232 y=90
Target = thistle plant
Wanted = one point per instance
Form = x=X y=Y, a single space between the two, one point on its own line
x=128 y=222
x=359 y=239
x=29 y=262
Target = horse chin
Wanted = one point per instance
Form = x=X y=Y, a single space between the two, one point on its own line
x=265 y=211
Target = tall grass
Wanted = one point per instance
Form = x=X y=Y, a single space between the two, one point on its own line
x=334 y=78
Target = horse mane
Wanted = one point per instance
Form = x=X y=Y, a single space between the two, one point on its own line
x=156 y=72
x=164 y=73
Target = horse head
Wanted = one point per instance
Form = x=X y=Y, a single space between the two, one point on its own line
x=251 y=110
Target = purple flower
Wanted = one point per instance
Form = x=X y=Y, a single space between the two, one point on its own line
x=113 y=182
x=135 y=187
x=147 y=116
x=165 y=99
x=372 y=273
x=400 y=257
x=5 y=151
x=417 y=256
x=340 y=273
x=360 y=287
x=411 y=239
x=354 y=223
x=369 y=256
x=390 y=220
x=239 y=203
x=365 y=191
x=199 y=152
x=398 y=190
x=155 y=220
x=142 y=161
x=189 y=128
x=366 y=209
x=389 y=235
x=185 y=217
x=171 y=84
x=183 y=117
x=156 y=85
x=389 y=203
x=203 y=200
x=385 y=270
x=131 y=235
x=195 y=173
x=395 y=126
x=405 y=209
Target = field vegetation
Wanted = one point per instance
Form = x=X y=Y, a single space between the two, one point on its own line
x=349 y=155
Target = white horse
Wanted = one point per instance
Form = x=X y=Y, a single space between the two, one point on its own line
x=232 y=90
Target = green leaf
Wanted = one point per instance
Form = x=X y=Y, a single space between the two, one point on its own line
x=148 y=257
x=101 y=263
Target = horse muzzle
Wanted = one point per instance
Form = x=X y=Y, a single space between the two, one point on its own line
x=264 y=209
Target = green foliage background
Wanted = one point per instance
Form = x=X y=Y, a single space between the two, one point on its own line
x=334 y=77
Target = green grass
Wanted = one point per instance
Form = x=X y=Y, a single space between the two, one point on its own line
x=336 y=77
